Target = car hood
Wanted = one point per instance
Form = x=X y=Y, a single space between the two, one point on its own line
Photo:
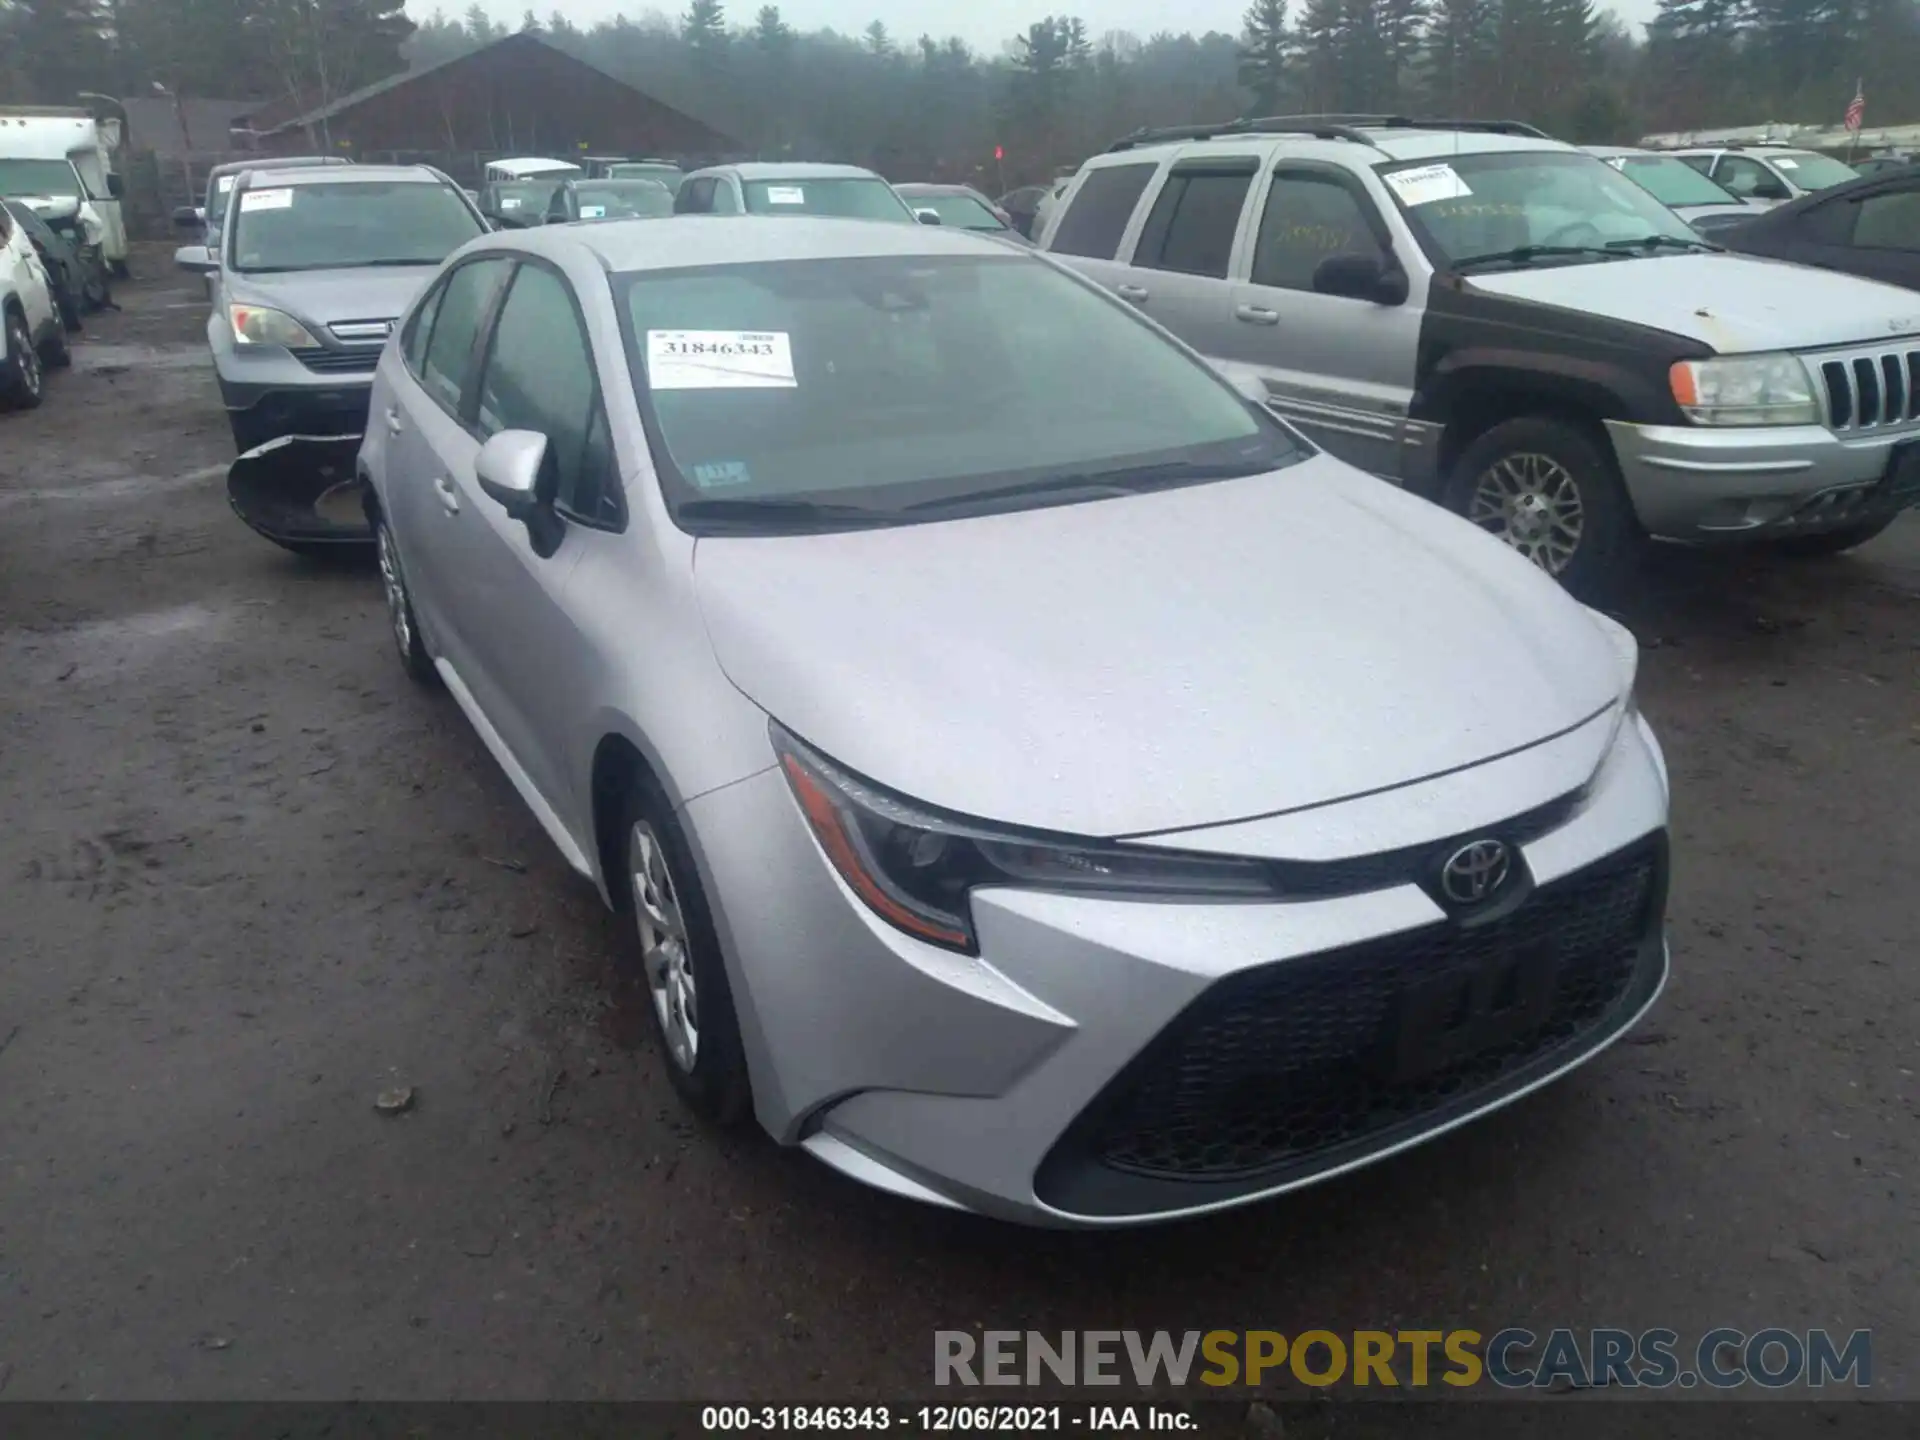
x=50 y=207
x=1714 y=207
x=1159 y=661
x=329 y=296
x=1735 y=303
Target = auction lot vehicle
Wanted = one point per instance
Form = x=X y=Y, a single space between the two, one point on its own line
x=665 y=171
x=310 y=271
x=1513 y=328
x=995 y=724
x=961 y=206
x=528 y=168
x=32 y=337
x=574 y=200
x=76 y=277
x=789 y=188
x=206 y=219
x=85 y=196
x=1770 y=174
x=1868 y=227
x=1678 y=186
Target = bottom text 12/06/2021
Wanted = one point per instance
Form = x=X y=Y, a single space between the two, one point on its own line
x=946 y=1419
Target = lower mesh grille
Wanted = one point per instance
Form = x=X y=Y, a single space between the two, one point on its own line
x=1288 y=1066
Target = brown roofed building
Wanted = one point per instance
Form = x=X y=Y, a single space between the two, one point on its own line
x=518 y=96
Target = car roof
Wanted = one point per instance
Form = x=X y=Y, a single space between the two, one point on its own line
x=533 y=165
x=344 y=175
x=1387 y=144
x=932 y=187
x=682 y=241
x=1623 y=150
x=789 y=170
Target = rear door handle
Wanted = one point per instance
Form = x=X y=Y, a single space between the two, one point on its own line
x=1133 y=293
x=394 y=427
x=449 y=497
x=1255 y=315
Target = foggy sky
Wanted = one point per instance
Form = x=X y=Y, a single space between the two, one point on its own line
x=984 y=24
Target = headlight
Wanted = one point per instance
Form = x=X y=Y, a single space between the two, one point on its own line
x=256 y=325
x=915 y=868
x=1745 y=390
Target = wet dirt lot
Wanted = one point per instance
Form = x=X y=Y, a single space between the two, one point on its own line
x=250 y=877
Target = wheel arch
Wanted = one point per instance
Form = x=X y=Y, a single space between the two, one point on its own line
x=1471 y=400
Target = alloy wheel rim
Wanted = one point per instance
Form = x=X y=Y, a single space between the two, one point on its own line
x=664 y=955
x=396 y=592
x=29 y=361
x=1532 y=502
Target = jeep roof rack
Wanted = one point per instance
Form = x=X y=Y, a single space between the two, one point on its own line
x=1321 y=127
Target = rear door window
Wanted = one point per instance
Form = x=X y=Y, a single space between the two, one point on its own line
x=1194 y=220
x=464 y=302
x=1097 y=215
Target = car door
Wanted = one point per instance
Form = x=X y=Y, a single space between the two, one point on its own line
x=1184 y=246
x=1882 y=233
x=29 y=279
x=1340 y=368
x=1099 y=214
x=526 y=659
x=429 y=441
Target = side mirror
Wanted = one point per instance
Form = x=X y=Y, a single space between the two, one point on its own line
x=197 y=258
x=187 y=217
x=1771 y=189
x=508 y=469
x=928 y=217
x=116 y=186
x=1360 y=277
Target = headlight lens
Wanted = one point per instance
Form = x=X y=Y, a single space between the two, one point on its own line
x=1745 y=390
x=914 y=867
x=257 y=325
x=91 y=231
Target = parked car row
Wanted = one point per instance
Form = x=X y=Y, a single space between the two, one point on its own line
x=1515 y=329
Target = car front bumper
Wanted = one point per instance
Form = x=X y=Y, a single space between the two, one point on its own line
x=1705 y=484
x=1105 y=1062
x=277 y=387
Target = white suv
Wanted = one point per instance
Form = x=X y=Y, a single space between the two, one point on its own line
x=31 y=335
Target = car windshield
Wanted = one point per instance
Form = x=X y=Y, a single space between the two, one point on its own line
x=964 y=212
x=668 y=175
x=856 y=197
x=1671 y=181
x=1530 y=206
x=1811 y=170
x=881 y=390
x=522 y=199
x=53 y=178
x=623 y=199
x=349 y=225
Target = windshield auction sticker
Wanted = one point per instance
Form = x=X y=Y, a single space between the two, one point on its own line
x=786 y=195
x=719 y=360
x=1427 y=184
x=254 y=200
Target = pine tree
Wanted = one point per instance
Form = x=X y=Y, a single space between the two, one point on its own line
x=704 y=29
x=60 y=47
x=1265 y=47
x=879 y=43
x=1459 y=55
x=772 y=35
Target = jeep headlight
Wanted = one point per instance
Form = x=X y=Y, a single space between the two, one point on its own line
x=257 y=325
x=1745 y=390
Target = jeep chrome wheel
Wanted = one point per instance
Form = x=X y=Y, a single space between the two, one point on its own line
x=1533 y=503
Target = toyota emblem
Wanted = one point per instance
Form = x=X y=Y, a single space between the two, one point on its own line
x=1475 y=871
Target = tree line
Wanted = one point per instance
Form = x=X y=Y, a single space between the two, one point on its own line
x=935 y=106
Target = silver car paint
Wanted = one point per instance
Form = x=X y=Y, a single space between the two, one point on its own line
x=948 y=1075
x=1735 y=303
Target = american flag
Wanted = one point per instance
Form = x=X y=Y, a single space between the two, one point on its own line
x=1856 y=108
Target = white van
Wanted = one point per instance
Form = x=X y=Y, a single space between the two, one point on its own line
x=524 y=169
x=60 y=162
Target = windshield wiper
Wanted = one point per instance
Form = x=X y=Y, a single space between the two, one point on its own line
x=784 y=514
x=1522 y=254
x=1654 y=242
x=1096 y=484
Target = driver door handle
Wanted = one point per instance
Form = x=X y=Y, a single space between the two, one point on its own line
x=1135 y=293
x=449 y=497
x=394 y=427
x=1256 y=315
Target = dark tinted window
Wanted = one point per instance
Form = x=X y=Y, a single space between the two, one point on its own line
x=463 y=305
x=695 y=197
x=413 y=345
x=1308 y=218
x=1192 y=225
x=539 y=376
x=1888 y=222
x=1099 y=212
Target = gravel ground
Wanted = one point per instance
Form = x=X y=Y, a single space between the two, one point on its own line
x=250 y=877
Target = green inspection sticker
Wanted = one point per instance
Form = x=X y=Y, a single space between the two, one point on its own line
x=720 y=474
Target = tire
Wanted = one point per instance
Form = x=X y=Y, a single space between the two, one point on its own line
x=56 y=352
x=23 y=380
x=1559 y=465
x=401 y=620
x=249 y=431
x=694 y=1022
x=120 y=270
x=1832 y=542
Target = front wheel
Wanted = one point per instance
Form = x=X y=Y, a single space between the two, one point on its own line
x=1550 y=491
x=23 y=379
x=400 y=617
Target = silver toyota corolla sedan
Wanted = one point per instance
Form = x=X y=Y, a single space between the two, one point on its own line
x=1041 y=783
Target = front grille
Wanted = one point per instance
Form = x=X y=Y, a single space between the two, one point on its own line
x=1871 y=389
x=339 y=362
x=1295 y=1067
